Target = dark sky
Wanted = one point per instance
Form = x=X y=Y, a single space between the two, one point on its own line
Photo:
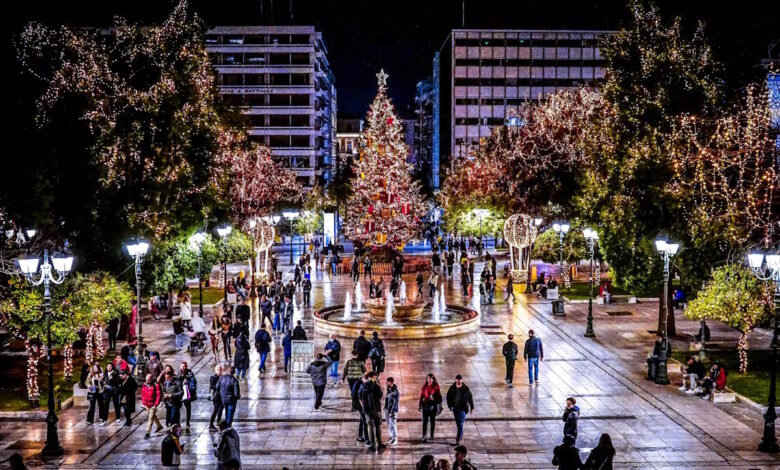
x=402 y=35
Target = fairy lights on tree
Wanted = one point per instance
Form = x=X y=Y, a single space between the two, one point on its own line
x=385 y=205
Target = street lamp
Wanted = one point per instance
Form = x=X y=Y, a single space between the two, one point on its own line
x=767 y=268
x=591 y=236
x=196 y=243
x=224 y=232
x=528 y=289
x=668 y=250
x=29 y=267
x=291 y=215
x=137 y=251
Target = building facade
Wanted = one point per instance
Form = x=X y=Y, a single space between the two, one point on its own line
x=426 y=168
x=480 y=76
x=280 y=79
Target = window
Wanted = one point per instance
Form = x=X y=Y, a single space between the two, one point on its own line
x=233 y=39
x=299 y=141
x=254 y=58
x=277 y=141
x=254 y=79
x=299 y=39
x=279 y=120
x=232 y=59
x=280 y=39
x=299 y=59
x=279 y=79
x=279 y=59
x=299 y=100
x=254 y=39
x=299 y=79
x=232 y=79
x=279 y=100
x=255 y=120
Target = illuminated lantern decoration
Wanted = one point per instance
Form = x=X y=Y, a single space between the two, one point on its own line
x=371 y=209
x=405 y=209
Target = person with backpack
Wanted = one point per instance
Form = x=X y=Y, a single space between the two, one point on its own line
x=263 y=345
x=377 y=354
x=151 y=396
x=509 y=351
x=533 y=353
x=189 y=387
x=601 y=456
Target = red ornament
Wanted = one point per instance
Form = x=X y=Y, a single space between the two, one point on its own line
x=405 y=209
x=390 y=121
x=369 y=227
x=371 y=210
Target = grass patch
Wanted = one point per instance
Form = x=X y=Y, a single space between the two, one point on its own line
x=13 y=388
x=211 y=295
x=581 y=291
x=754 y=384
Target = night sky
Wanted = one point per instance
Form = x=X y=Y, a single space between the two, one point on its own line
x=401 y=36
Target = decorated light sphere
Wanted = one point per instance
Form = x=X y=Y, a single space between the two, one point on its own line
x=264 y=234
x=519 y=230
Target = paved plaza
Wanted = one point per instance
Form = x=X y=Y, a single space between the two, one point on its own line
x=651 y=426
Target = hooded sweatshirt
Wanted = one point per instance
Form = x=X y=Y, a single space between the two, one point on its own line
x=571 y=418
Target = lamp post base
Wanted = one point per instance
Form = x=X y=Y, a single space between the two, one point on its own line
x=52 y=447
x=662 y=377
x=590 y=334
x=52 y=451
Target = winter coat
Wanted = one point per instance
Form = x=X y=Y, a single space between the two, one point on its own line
x=151 y=394
x=262 y=341
x=228 y=448
x=306 y=286
x=355 y=394
x=287 y=345
x=171 y=450
x=188 y=380
x=335 y=349
x=174 y=389
x=509 y=351
x=154 y=368
x=571 y=418
x=430 y=396
x=229 y=390
x=213 y=390
x=377 y=350
x=720 y=379
x=185 y=310
x=354 y=369
x=319 y=371
x=567 y=457
x=299 y=334
x=465 y=402
x=362 y=346
x=600 y=458
x=127 y=389
x=243 y=312
x=371 y=398
x=287 y=310
x=241 y=357
x=391 y=399
x=533 y=348
x=266 y=306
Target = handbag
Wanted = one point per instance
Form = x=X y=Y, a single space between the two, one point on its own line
x=187 y=394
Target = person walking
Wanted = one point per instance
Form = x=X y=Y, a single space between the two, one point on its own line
x=318 y=370
x=189 y=388
x=112 y=329
x=263 y=346
x=464 y=277
x=601 y=456
x=298 y=333
x=354 y=370
x=172 y=448
x=450 y=263
x=460 y=459
x=153 y=366
x=266 y=307
x=377 y=354
x=566 y=456
x=371 y=401
x=510 y=289
x=429 y=405
x=354 y=390
x=307 y=291
x=333 y=350
x=241 y=356
x=571 y=417
x=533 y=353
x=287 y=311
x=509 y=351
x=229 y=393
x=215 y=328
x=127 y=389
x=367 y=265
x=216 y=413
x=460 y=402
x=287 y=346
x=95 y=391
x=151 y=396
x=419 y=279
x=228 y=449
x=362 y=346
x=226 y=331
x=172 y=396
x=185 y=310
x=391 y=410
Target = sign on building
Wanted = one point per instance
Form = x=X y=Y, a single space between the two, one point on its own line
x=302 y=356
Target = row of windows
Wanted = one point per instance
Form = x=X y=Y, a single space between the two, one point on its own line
x=255 y=79
x=266 y=100
x=282 y=141
x=512 y=42
x=479 y=121
x=238 y=39
x=519 y=82
x=527 y=62
x=278 y=120
x=293 y=58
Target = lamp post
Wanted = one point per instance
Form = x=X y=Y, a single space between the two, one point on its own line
x=769 y=271
x=196 y=243
x=668 y=250
x=224 y=232
x=528 y=289
x=591 y=236
x=137 y=251
x=291 y=215
x=29 y=267
x=561 y=228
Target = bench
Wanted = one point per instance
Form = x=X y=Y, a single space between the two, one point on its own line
x=616 y=299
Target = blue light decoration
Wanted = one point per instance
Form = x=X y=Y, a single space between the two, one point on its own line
x=773 y=84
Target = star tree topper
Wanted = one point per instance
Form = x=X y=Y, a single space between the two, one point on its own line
x=382 y=76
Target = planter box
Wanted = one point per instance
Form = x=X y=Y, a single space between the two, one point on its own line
x=723 y=397
x=80 y=397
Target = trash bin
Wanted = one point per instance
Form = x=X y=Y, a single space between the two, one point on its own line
x=652 y=368
x=557 y=307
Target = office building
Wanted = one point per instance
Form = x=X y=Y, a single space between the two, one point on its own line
x=280 y=78
x=426 y=169
x=479 y=76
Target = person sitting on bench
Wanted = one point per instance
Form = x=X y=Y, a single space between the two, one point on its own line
x=693 y=371
x=716 y=379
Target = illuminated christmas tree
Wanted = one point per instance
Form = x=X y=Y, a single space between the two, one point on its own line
x=385 y=206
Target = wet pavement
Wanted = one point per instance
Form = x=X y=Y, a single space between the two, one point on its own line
x=651 y=426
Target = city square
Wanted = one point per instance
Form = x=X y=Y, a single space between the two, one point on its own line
x=269 y=238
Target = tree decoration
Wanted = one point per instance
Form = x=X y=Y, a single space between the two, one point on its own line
x=385 y=205
x=34 y=354
x=67 y=353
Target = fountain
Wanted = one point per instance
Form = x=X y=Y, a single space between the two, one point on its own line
x=402 y=293
x=358 y=297
x=476 y=301
x=389 y=309
x=348 y=307
x=436 y=310
x=442 y=303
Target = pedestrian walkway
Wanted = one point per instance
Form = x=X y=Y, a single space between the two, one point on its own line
x=651 y=426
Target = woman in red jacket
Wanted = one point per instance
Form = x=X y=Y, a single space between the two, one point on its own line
x=716 y=379
x=430 y=404
x=151 y=395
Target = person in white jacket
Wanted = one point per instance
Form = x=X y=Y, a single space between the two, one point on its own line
x=185 y=310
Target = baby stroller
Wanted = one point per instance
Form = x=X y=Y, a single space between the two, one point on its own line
x=197 y=343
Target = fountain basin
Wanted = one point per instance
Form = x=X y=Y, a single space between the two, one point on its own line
x=408 y=310
x=457 y=321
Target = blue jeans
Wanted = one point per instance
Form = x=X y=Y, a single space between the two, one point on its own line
x=287 y=359
x=277 y=324
x=533 y=369
x=460 y=418
x=263 y=356
x=334 y=369
x=240 y=372
x=181 y=340
x=230 y=409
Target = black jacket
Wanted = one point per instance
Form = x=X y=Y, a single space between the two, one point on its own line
x=241 y=356
x=355 y=393
x=362 y=346
x=509 y=350
x=262 y=341
x=170 y=447
x=371 y=398
x=299 y=334
x=600 y=458
x=127 y=391
x=466 y=401
x=571 y=419
x=567 y=457
x=243 y=312
x=229 y=390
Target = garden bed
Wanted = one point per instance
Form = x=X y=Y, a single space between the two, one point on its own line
x=13 y=389
x=581 y=290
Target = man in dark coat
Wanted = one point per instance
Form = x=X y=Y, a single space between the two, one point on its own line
x=356 y=406
x=228 y=450
x=171 y=448
x=362 y=346
x=286 y=310
x=460 y=402
x=243 y=311
x=266 y=307
x=571 y=417
x=319 y=378
x=566 y=456
x=371 y=400
x=229 y=393
x=263 y=345
x=509 y=351
x=299 y=334
x=307 y=291
x=127 y=388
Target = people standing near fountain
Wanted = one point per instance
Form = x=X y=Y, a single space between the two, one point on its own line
x=354 y=370
x=354 y=391
x=333 y=350
x=287 y=311
x=460 y=402
x=533 y=353
x=429 y=405
x=391 y=410
x=397 y=266
x=450 y=257
x=464 y=276
x=355 y=270
x=394 y=286
x=433 y=281
x=372 y=289
x=299 y=334
x=380 y=287
x=377 y=354
x=370 y=394
x=509 y=351
x=510 y=288
x=307 y=291
x=263 y=346
x=319 y=377
x=435 y=262
x=367 y=265
x=362 y=346
x=420 y=281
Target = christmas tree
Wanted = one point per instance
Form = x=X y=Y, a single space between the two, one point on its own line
x=385 y=206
